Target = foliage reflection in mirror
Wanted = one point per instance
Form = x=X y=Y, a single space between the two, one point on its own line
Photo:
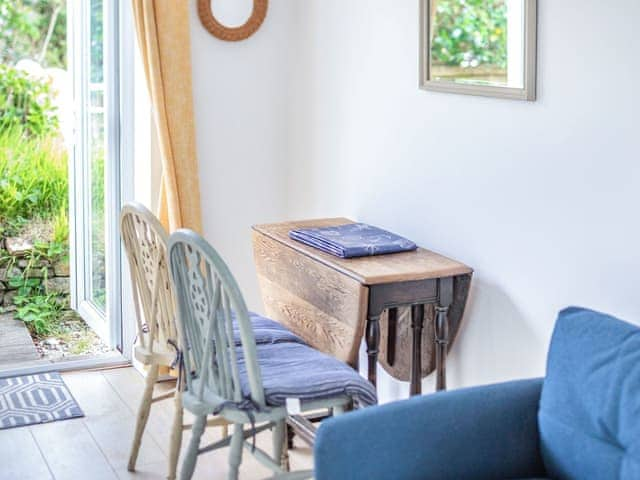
x=479 y=47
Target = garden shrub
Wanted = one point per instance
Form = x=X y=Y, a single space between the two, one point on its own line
x=39 y=312
x=26 y=103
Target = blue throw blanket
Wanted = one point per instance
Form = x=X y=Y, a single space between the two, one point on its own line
x=352 y=240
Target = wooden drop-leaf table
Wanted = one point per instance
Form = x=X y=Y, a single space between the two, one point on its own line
x=332 y=302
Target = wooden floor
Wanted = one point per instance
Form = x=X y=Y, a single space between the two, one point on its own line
x=96 y=447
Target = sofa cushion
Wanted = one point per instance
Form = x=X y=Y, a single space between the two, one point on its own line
x=488 y=432
x=589 y=415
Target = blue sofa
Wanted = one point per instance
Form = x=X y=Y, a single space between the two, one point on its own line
x=581 y=422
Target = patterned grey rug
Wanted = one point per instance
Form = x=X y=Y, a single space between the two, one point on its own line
x=32 y=399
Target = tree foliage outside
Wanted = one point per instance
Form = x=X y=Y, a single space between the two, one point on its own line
x=35 y=29
x=470 y=33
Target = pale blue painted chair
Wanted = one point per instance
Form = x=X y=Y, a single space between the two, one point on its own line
x=232 y=377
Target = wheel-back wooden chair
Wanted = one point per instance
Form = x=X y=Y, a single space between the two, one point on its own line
x=145 y=242
x=225 y=374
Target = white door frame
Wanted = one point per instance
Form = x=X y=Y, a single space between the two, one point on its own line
x=118 y=52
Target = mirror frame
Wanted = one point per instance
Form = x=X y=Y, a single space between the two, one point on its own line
x=530 y=60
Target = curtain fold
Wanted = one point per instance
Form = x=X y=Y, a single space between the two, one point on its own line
x=162 y=28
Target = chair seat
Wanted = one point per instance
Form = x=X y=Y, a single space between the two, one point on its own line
x=161 y=356
x=295 y=370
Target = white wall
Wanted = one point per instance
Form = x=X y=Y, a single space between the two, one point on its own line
x=539 y=198
x=241 y=131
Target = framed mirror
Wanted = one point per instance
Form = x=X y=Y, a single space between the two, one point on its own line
x=479 y=47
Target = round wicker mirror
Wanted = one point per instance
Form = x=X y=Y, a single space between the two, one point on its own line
x=232 y=34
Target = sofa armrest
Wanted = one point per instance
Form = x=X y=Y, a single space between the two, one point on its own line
x=480 y=432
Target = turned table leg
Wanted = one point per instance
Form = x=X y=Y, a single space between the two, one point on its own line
x=417 y=321
x=391 y=336
x=373 y=345
x=442 y=342
x=442 y=331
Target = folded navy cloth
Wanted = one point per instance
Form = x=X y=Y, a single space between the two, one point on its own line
x=352 y=240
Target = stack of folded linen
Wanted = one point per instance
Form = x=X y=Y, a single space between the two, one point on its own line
x=352 y=240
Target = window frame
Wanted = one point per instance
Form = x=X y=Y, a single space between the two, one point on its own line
x=528 y=92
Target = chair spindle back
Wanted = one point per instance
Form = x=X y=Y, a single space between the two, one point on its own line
x=145 y=242
x=208 y=300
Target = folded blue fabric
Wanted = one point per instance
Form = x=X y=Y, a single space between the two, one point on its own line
x=352 y=240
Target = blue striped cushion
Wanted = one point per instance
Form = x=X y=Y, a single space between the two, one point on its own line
x=295 y=370
x=266 y=331
x=292 y=369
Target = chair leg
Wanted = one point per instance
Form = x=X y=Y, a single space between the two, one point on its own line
x=235 y=456
x=143 y=415
x=176 y=434
x=225 y=431
x=191 y=455
x=280 y=453
x=290 y=436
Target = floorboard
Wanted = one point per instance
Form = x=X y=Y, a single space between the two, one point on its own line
x=96 y=447
x=71 y=452
x=20 y=456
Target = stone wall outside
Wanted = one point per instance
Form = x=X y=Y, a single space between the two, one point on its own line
x=19 y=259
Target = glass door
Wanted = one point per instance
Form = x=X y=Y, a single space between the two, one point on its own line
x=97 y=165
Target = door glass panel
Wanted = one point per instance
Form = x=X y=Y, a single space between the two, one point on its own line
x=97 y=149
x=97 y=163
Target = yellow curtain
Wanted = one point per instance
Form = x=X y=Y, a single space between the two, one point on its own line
x=164 y=39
